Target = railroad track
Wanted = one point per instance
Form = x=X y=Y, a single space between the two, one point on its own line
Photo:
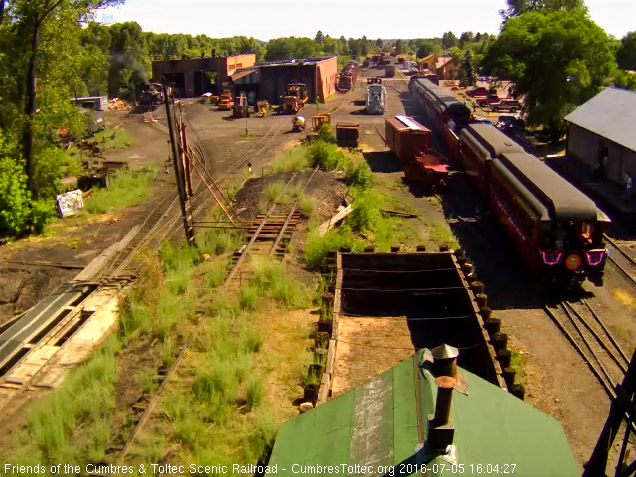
x=270 y=232
x=160 y=223
x=587 y=332
x=620 y=259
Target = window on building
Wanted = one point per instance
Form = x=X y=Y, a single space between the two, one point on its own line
x=239 y=65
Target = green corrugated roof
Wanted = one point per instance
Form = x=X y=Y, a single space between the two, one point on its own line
x=376 y=425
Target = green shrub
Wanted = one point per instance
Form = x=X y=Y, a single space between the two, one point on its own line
x=42 y=213
x=365 y=214
x=326 y=155
x=325 y=133
x=217 y=274
x=15 y=198
x=318 y=247
x=358 y=175
x=252 y=340
x=273 y=190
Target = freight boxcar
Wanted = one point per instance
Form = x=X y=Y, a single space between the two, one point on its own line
x=556 y=228
x=406 y=137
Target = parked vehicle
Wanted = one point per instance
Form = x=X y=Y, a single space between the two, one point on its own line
x=479 y=91
x=241 y=108
x=294 y=99
x=484 y=101
x=298 y=124
x=511 y=105
x=376 y=99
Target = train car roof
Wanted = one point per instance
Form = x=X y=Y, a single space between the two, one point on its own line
x=564 y=201
x=492 y=139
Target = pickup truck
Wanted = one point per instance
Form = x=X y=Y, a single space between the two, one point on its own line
x=485 y=100
x=506 y=105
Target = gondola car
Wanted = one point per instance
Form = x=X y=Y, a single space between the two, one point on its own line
x=556 y=228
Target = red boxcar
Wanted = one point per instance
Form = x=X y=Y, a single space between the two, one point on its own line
x=406 y=137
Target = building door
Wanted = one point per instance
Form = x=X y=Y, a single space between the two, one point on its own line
x=177 y=81
x=202 y=83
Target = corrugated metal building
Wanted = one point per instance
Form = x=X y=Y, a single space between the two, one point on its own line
x=188 y=75
x=384 y=426
x=605 y=126
x=270 y=79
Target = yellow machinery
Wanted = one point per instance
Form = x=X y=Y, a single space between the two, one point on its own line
x=241 y=109
x=262 y=107
x=319 y=119
x=295 y=98
x=298 y=123
x=226 y=103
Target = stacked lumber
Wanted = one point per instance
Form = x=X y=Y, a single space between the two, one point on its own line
x=117 y=104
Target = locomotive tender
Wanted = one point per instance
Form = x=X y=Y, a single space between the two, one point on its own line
x=556 y=228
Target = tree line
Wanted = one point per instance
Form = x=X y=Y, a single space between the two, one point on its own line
x=52 y=50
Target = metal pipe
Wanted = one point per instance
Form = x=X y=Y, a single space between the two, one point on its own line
x=445 y=386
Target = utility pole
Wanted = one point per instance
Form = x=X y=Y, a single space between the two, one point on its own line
x=623 y=403
x=178 y=166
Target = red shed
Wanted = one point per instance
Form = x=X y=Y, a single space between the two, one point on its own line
x=406 y=137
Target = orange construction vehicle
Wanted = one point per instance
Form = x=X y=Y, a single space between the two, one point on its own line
x=295 y=98
x=226 y=103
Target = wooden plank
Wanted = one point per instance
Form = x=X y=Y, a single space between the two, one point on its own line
x=326 y=226
x=95 y=265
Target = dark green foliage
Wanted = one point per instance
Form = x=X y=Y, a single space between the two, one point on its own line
x=557 y=59
x=516 y=8
x=358 y=175
x=326 y=155
x=15 y=199
x=325 y=133
x=626 y=53
x=468 y=76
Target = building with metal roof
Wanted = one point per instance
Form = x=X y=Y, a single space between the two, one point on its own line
x=399 y=422
x=269 y=80
x=191 y=76
x=605 y=126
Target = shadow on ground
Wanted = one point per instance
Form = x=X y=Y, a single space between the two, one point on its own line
x=382 y=162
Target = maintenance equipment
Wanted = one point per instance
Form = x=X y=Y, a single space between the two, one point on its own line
x=320 y=119
x=298 y=123
x=241 y=109
x=226 y=103
x=295 y=98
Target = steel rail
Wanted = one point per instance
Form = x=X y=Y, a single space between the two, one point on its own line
x=290 y=215
x=247 y=248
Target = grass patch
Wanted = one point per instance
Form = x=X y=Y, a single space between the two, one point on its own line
x=254 y=393
x=125 y=188
x=274 y=190
x=358 y=175
x=271 y=278
x=249 y=296
x=441 y=235
x=114 y=139
x=291 y=161
x=518 y=362
x=218 y=241
x=307 y=204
